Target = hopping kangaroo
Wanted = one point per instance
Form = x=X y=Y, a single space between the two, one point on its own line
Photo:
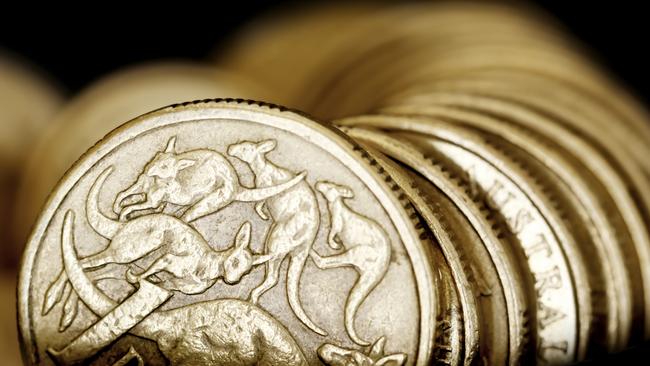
x=202 y=180
x=217 y=332
x=178 y=248
x=367 y=249
x=296 y=219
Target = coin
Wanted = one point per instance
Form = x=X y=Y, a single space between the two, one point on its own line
x=619 y=185
x=178 y=276
x=481 y=272
x=513 y=277
x=593 y=204
x=533 y=219
x=102 y=107
x=8 y=340
x=28 y=101
x=339 y=45
x=448 y=349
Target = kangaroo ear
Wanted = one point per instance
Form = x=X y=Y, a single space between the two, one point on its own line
x=171 y=145
x=346 y=192
x=243 y=237
x=397 y=359
x=377 y=349
x=185 y=163
x=266 y=146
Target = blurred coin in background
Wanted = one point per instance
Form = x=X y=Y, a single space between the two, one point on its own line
x=27 y=102
x=28 y=99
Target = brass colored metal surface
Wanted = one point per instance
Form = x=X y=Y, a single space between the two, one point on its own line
x=158 y=277
x=619 y=186
x=472 y=190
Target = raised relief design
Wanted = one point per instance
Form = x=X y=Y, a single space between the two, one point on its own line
x=161 y=255
x=217 y=332
x=339 y=356
x=366 y=244
x=201 y=180
x=296 y=219
x=178 y=250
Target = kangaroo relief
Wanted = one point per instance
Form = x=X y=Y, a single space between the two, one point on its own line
x=366 y=244
x=217 y=332
x=178 y=248
x=201 y=180
x=296 y=219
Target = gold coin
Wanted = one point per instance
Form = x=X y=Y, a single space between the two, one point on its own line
x=8 y=339
x=594 y=206
x=205 y=193
x=28 y=102
x=625 y=189
x=578 y=108
x=477 y=282
x=289 y=51
x=330 y=42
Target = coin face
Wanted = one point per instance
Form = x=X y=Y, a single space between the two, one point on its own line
x=225 y=232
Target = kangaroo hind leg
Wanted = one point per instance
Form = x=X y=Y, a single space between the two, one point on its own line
x=345 y=259
x=270 y=280
x=296 y=267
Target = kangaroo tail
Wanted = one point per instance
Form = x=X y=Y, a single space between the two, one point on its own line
x=358 y=294
x=54 y=293
x=258 y=194
x=296 y=265
x=102 y=224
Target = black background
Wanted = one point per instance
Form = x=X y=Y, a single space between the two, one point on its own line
x=76 y=45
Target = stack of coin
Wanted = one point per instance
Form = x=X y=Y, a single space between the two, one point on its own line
x=477 y=194
x=509 y=106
